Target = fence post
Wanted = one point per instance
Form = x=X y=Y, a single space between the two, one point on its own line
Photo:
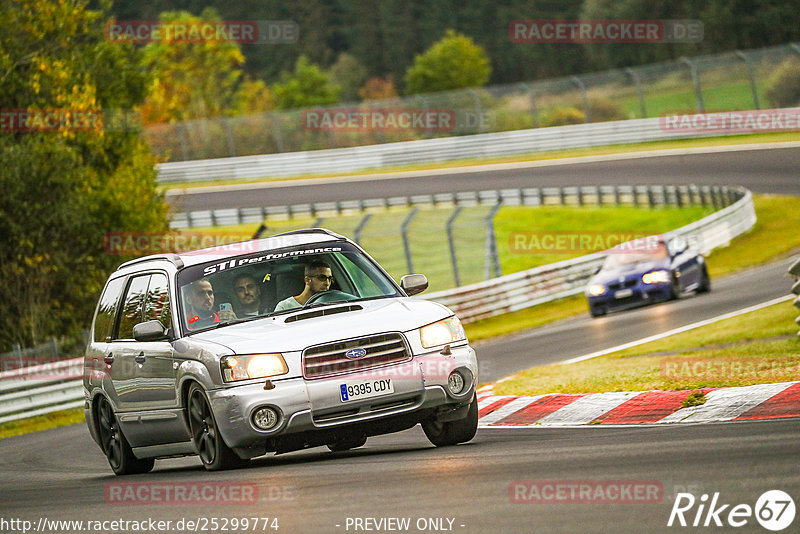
x=451 y=242
x=229 y=137
x=360 y=228
x=638 y=82
x=696 y=82
x=492 y=264
x=751 y=76
x=406 y=246
x=582 y=87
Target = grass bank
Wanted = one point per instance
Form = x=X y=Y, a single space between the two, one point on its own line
x=755 y=348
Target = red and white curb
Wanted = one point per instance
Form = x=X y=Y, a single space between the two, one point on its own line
x=763 y=401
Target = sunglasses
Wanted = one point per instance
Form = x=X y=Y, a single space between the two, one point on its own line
x=322 y=277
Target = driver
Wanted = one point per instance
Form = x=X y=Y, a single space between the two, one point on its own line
x=318 y=278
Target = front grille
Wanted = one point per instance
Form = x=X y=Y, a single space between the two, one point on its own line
x=329 y=359
x=627 y=283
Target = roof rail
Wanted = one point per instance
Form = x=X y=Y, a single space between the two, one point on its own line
x=172 y=258
x=310 y=231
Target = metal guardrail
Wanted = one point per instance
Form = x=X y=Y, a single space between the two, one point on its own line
x=57 y=386
x=632 y=195
x=794 y=272
x=41 y=389
x=381 y=156
x=551 y=282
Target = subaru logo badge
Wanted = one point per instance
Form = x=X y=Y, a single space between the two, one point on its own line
x=354 y=354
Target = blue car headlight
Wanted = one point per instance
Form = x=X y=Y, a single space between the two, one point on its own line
x=656 y=277
x=596 y=290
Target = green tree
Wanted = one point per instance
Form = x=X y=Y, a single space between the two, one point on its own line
x=65 y=189
x=307 y=86
x=191 y=80
x=349 y=74
x=454 y=62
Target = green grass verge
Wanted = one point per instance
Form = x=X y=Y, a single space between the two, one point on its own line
x=42 y=422
x=754 y=348
x=574 y=153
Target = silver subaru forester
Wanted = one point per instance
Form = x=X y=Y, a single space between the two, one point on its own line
x=188 y=355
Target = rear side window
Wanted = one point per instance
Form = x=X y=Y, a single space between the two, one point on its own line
x=107 y=310
x=157 y=301
x=133 y=306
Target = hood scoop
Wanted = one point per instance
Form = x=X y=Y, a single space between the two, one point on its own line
x=322 y=312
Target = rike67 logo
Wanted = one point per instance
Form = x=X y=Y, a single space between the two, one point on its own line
x=774 y=510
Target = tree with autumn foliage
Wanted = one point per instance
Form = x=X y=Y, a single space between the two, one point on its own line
x=65 y=188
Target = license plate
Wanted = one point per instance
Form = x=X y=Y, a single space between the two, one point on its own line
x=364 y=389
x=622 y=293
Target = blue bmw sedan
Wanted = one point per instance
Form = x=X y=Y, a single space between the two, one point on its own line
x=646 y=271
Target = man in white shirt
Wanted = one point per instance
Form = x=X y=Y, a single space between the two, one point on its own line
x=318 y=278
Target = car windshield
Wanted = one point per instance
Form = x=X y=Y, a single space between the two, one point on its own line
x=248 y=286
x=621 y=256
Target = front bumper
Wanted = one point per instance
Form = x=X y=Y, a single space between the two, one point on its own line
x=641 y=294
x=315 y=406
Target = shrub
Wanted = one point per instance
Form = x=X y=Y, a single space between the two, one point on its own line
x=783 y=87
x=563 y=115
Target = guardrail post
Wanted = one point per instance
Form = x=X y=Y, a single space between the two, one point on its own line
x=563 y=195
x=360 y=228
x=404 y=233
x=638 y=82
x=696 y=82
x=492 y=264
x=452 y=244
x=617 y=198
x=794 y=271
x=651 y=200
x=582 y=88
x=478 y=108
x=751 y=76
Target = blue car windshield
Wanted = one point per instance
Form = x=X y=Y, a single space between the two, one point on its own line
x=620 y=256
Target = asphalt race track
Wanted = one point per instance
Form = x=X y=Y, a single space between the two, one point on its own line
x=763 y=171
x=472 y=488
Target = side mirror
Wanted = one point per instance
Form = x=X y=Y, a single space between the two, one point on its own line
x=150 y=331
x=678 y=246
x=413 y=284
x=597 y=269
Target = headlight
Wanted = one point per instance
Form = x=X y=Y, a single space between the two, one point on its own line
x=596 y=290
x=656 y=277
x=442 y=332
x=252 y=366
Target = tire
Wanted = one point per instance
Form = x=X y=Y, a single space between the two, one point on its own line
x=213 y=452
x=116 y=448
x=705 y=282
x=345 y=444
x=447 y=433
x=674 y=289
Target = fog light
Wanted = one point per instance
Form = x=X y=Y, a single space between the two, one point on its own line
x=455 y=383
x=265 y=418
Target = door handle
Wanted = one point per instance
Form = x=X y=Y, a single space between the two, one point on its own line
x=109 y=358
x=140 y=358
